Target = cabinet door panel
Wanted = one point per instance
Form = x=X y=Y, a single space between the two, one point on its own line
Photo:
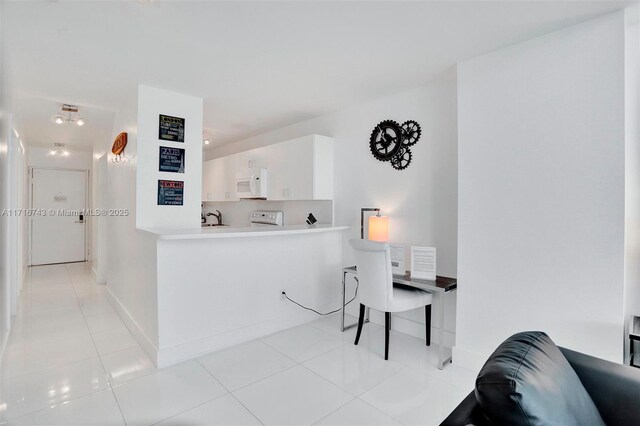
x=299 y=170
x=276 y=167
x=213 y=183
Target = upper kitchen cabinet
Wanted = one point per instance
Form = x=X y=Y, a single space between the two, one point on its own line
x=298 y=169
x=301 y=169
x=254 y=159
x=218 y=178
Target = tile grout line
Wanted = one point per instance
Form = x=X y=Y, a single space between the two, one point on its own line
x=230 y=392
x=110 y=386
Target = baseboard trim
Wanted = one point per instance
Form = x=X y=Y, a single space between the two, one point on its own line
x=190 y=350
x=5 y=343
x=166 y=357
x=98 y=279
x=143 y=340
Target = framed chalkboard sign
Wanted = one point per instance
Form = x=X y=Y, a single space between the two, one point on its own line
x=170 y=192
x=171 y=128
x=171 y=160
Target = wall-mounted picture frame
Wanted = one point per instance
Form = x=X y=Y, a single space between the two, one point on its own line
x=171 y=128
x=170 y=192
x=171 y=160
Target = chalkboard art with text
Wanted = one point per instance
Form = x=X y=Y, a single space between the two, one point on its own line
x=171 y=128
x=170 y=192
x=171 y=159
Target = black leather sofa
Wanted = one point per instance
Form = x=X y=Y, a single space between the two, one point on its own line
x=614 y=389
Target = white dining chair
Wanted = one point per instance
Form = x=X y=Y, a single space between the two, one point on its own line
x=376 y=289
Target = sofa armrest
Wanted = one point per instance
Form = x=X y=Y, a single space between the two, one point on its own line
x=614 y=388
x=467 y=413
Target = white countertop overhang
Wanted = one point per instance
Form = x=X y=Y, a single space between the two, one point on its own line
x=239 y=232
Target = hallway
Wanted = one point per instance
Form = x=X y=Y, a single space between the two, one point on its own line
x=71 y=360
x=68 y=342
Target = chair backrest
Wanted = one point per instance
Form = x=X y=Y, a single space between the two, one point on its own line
x=375 y=277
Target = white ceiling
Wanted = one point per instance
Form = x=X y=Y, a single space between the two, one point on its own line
x=38 y=129
x=258 y=65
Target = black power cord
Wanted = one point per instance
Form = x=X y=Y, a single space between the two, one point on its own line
x=328 y=313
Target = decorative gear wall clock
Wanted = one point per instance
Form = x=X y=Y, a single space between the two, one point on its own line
x=390 y=141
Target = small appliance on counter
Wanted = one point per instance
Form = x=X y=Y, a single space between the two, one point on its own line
x=266 y=218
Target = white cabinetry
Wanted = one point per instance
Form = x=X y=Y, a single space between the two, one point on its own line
x=218 y=178
x=301 y=169
x=298 y=169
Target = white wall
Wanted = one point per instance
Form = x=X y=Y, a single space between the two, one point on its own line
x=132 y=184
x=5 y=129
x=632 y=169
x=39 y=157
x=17 y=192
x=151 y=103
x=541 y=192
x=421 y=200
x=131 y=260
x=215 y=293
x=100 y=229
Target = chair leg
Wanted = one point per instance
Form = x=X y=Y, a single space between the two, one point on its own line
x=427 y=323
x=387 y=328
x=360 y=323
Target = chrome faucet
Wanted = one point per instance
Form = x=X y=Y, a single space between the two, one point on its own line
x=217 y=216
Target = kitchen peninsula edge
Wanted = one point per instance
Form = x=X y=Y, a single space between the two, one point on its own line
x=218 y=287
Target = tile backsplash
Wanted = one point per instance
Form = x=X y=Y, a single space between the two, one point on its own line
x=236 y=213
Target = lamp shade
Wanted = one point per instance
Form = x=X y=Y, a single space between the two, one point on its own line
x=379 y=228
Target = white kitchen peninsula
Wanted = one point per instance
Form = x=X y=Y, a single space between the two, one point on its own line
x=217 y=287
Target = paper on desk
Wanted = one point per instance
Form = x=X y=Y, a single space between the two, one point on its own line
x=397 y=259
x=423 y=262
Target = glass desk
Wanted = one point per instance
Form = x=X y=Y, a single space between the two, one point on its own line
x=442 y=285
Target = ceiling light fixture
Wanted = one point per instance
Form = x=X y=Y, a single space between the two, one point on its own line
x=58 y=149
x=71 y=116
x=206 y=141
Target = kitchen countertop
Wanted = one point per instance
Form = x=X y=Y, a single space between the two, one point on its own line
x=235 y=232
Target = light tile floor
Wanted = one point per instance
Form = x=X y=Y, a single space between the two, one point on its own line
x=71 y=361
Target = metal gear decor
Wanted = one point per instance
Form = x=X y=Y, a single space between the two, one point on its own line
x=390 y=141
x=402 y=159
x=386 y=140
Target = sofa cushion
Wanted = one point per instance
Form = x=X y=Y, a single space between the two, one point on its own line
x=527 y=381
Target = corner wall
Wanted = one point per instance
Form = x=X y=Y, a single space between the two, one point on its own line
x=151 y=103
x=541 y=192
x=632 y=170
x=131 y=254
x=421 y=200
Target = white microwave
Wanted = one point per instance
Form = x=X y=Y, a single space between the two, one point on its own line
x=253 y=185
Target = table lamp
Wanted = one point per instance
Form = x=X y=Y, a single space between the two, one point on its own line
x=379 y=228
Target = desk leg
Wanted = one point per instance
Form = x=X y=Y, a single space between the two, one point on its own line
x=344 y=304
x=344 y=291
x=444 y=354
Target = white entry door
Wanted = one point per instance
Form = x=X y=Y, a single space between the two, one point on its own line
x=58 y=237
